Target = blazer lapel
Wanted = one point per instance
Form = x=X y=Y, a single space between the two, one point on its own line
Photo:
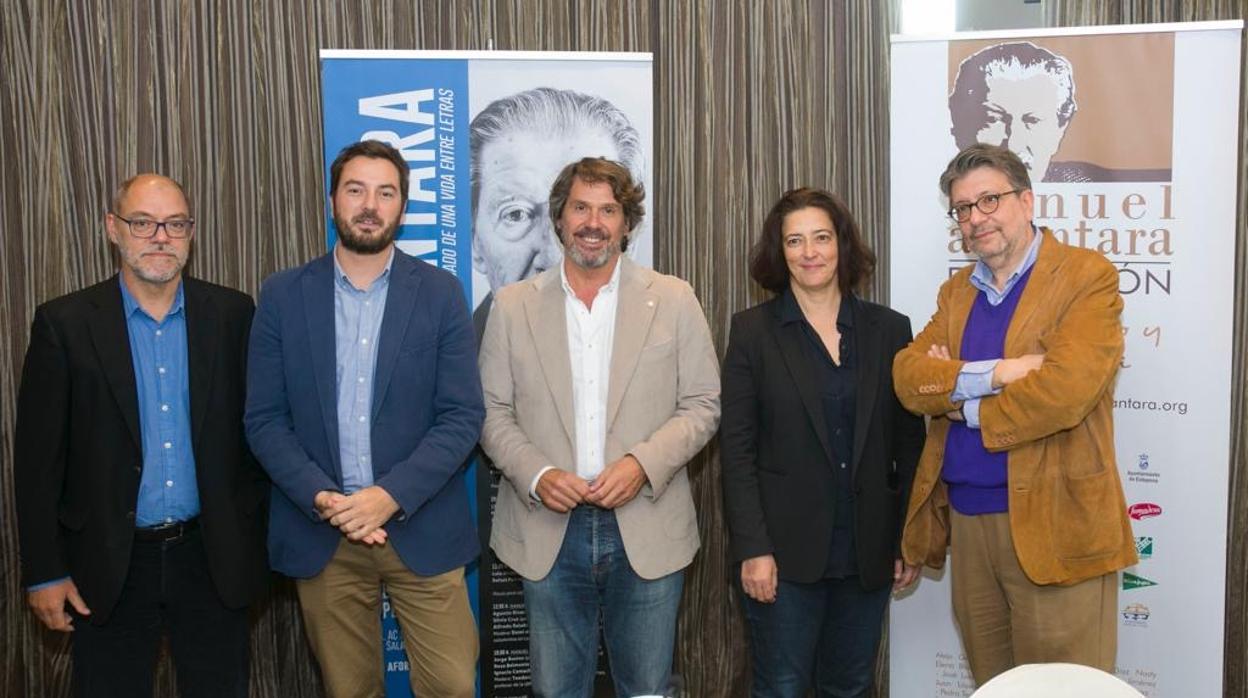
x=634 y=311
x=318 y=310
x=790 y=336
x=112 y=344
x=201 y=352
x=869 y=354
x=548 y=325
x=1034 y=294
x=400 y=301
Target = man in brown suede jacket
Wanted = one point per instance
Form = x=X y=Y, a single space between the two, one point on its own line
x=1018 y=477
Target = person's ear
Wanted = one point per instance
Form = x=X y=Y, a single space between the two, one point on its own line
x=110 y=227
x=478 y=255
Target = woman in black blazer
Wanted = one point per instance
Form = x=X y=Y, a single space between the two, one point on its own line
x=817 y=452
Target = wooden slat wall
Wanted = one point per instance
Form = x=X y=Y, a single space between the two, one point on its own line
x=752 y=97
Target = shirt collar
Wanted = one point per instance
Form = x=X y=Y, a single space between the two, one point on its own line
x=981 y=275
x=791 y=311
x=608 y=287
x=130 y=304
x=341 y=276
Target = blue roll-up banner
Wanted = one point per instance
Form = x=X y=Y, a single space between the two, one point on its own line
x=485 y=134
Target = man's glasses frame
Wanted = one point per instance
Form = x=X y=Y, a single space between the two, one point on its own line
x=988 y=203
x=147 y=228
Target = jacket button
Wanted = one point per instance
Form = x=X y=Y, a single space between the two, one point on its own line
x=130 y=516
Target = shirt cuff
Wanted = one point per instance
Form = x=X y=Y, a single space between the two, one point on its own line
x=970 y=412
x=45 y=585
x=533 y=485
x=974 y=380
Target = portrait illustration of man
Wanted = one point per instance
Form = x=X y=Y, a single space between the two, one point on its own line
x=1023 y=97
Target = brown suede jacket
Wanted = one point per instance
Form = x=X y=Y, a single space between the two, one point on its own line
x=1067 y=511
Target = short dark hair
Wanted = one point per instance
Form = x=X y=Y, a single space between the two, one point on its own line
x=855 y=262
x=370 y=149
x=1013 y=60
x=628 y=193
x=980 y=155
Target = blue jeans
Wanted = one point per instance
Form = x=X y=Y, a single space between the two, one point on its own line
x=592 y=579
x=825 y=633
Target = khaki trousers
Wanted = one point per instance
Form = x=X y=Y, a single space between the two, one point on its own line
x=342 y=615
x=1006 y=620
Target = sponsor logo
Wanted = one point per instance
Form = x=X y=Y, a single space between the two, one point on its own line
x=1135 y=581
x=1144 y=546
x=1143 y=510
x=1144 y=472
x=1135 y=615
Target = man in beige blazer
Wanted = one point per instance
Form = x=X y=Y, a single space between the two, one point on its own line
x=601 y=382
x=1018 y=478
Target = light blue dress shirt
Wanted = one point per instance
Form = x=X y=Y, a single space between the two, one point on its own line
x=975 y=379
x=357 y=328
x=168 y=491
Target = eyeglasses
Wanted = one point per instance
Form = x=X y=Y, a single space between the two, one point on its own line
x=146 y=227
x=986 y=204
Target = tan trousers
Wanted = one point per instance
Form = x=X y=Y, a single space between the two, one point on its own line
x=342 y=615
x=1006 y=620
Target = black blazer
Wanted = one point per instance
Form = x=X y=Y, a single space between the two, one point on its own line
x=78 y=455
x=776 y=456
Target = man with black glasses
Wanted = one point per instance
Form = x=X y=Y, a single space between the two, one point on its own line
x=1018 y=478
x=140 y=508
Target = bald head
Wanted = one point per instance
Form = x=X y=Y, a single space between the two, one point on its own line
x=141 y=184
x=151 y=225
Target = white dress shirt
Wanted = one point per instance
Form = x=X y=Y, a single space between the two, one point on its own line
x=591 y=336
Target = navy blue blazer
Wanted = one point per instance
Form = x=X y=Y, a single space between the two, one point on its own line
x=426 y=415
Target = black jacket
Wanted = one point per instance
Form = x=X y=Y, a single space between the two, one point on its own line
x=776 y=457
x=78 y=456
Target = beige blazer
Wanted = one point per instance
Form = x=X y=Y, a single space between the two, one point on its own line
x=662 y=407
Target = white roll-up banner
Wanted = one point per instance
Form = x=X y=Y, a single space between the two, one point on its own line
x=1131 y=136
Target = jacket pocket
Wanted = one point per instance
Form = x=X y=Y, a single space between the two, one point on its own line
x=1087 y=518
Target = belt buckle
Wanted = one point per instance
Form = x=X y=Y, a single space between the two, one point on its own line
x=166 y=532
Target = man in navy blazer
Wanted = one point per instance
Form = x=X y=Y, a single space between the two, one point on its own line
x=363 y=404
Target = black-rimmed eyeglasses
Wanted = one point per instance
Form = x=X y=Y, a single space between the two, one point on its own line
x=986 y=204
x=146 y=227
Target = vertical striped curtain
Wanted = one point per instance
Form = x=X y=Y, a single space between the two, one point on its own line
x=1068 y=13
x=752 y=97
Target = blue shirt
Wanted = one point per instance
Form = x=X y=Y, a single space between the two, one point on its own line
x=975 y=379
x=168 y=490
x=357 y=327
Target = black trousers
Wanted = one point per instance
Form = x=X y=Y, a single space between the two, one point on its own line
x=169 y=590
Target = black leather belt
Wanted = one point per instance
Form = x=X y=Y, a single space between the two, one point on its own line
x=165 y=533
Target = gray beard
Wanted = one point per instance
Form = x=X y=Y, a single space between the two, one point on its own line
x=609 y=253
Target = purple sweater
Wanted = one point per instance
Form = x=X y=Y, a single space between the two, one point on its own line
x=977 y=479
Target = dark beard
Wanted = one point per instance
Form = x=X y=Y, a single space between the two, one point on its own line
x=365 y=244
